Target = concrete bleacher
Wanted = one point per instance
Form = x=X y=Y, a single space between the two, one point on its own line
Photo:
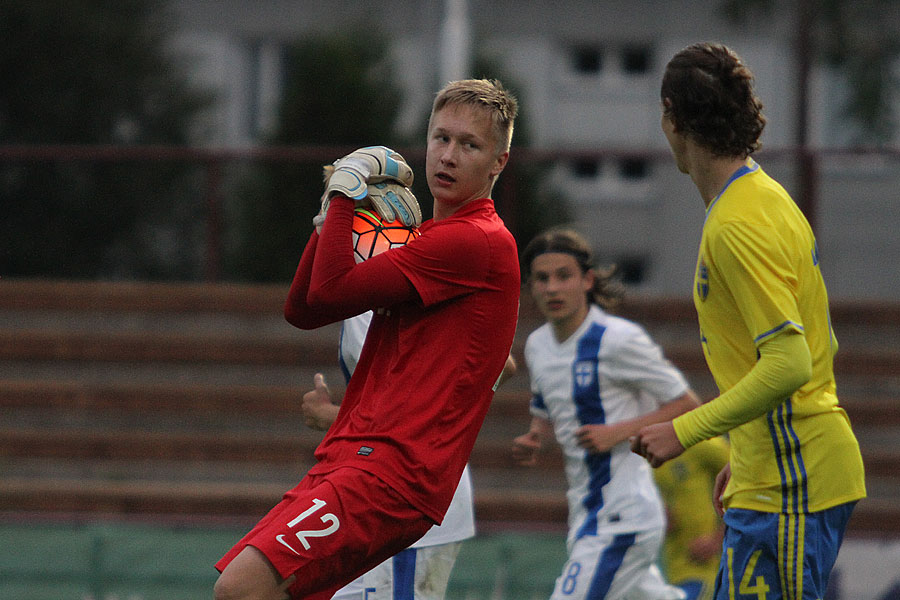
x=181 y=400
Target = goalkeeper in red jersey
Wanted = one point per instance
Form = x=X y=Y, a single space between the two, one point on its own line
x=446 y=306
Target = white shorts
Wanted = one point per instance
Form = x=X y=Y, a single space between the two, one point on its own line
x=413 y=574
x=615 y=567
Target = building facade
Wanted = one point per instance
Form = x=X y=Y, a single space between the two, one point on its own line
x=588 y=75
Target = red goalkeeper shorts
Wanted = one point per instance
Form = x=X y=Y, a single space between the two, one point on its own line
x=332 y=528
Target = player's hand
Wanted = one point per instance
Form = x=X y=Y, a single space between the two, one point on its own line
x=391 y=200
x=394 y=202
x=372 y=164
x=657 y=443
x=705 y=547
x=722 y=480
x=319 y=412
x=525 y=449
x=599 y=438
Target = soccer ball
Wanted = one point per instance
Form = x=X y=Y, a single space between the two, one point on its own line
x=373 y=236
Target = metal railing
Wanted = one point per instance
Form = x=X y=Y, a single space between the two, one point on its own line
x=215 y=164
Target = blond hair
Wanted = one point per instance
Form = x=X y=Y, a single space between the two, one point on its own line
x=485 y=93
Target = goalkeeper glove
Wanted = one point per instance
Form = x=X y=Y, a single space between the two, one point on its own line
x=367 y=165
x=394 y=202
x=391 y=200
x=378 y=174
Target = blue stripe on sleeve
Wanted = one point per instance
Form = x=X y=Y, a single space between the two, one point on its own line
x=775 y=330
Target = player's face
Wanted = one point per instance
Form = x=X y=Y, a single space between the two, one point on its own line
x=559 y=288
x=676 y=142
x=462 y=160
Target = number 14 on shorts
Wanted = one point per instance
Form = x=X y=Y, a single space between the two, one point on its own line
x=330 y=521
x=749 y=585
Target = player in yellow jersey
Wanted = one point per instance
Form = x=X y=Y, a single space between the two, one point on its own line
x=693 y=543
x=795 y=471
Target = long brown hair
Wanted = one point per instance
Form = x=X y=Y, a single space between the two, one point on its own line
x=707 y=92
x=607 y=291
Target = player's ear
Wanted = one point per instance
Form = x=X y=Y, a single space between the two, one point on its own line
x=588 y=279
x=667 y=113
x=500 y=164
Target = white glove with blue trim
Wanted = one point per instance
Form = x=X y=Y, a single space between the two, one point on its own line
x=395 y=202
x=367 y=165
x=354 y=175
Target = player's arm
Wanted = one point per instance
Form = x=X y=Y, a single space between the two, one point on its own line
x=637 y=362
x=755 y=274
x=601 y=438
x=338 y=285
x=362 y=175
x=526 y=447
x=784 y=365
x=756 y=271
x=297 y=311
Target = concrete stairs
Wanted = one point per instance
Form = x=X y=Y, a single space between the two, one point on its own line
x=182 y=400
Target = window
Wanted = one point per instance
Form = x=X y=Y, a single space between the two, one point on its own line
x=585 y=168
x=634 y=168
x=587 y=59
x=636 y=59
x=632 y=269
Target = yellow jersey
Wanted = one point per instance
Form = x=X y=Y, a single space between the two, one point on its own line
x=686 y=485
x=757 y=277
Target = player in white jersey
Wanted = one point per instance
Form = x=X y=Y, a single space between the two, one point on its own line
x=596 y=379
x=422 y=571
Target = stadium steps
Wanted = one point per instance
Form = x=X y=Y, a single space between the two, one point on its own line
x=183 y=399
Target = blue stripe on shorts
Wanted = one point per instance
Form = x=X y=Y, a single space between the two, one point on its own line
x=405 y=574
x=609 y=563
x=780 y=556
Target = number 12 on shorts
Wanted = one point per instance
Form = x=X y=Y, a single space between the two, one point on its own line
x=332 y=524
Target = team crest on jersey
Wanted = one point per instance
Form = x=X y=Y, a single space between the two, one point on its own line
x=702 y=280
x=584 y=373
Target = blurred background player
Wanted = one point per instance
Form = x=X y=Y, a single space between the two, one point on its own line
x=596 y=379
x=422 y=571
x=795 y=469
x=389 y=466
x=693 y=544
